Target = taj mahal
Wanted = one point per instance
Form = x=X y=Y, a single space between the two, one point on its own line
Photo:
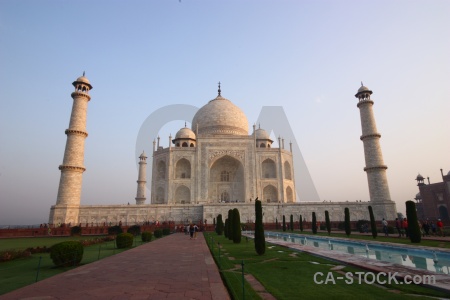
x=214 y=166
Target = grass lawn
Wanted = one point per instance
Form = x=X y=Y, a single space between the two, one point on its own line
x=288 y=274
x=24 y=243
x=22 y=272
x=380 y=238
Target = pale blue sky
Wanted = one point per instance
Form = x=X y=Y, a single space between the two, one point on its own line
x=307 y=56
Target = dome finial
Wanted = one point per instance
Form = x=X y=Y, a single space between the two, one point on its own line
x=84 y=73
x=362 y=83
x=219 y=91
x=184 y=124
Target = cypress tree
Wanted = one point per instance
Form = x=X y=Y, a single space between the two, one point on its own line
x=413 y=226
x=236 y=226
x=214 y=222
x=219 y=227
x=347 y=221
x=314 y=223
x=225 y=229
x=291 y=222
x=284 y=223
x=327 y=222
x=230 y=224
x=301 y=223
x=276 y=223
x=373 y=225
x=260 y=241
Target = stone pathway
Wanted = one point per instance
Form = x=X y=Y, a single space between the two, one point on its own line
x=173 y=267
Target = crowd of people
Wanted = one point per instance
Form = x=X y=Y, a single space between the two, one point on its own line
x=428 y=228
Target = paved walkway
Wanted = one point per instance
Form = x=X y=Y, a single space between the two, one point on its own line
x=173 y=267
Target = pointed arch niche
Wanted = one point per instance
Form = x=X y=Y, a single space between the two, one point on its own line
x=183 y=169
x=182 y=195
x=269 y=169
x=270 y=194
x=226 y=180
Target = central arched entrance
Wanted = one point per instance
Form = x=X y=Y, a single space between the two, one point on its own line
x=226 y=181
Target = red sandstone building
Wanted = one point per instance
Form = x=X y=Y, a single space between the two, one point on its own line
x=433 y=199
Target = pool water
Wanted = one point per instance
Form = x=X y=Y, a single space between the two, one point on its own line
x=434 y=261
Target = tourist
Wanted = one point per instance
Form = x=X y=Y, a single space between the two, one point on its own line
x=398 y=225
x=426 y=228
x=440 y=227
x=385 y=227
x=191 y=231
x=195 y=231
x=405 y=226
x=433 y=228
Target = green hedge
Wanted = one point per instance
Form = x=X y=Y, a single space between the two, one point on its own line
x=158 y=233
x=68 y=253
x=114 y=230
x=166 y=231
x=75 y=230
x=146 y=236
x=124 y=240
x=134 y=230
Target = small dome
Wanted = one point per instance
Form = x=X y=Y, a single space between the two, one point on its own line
x=185 y=133
x=418 y=196
x=448 y=173
x=363 y=89
x=143 y=155
x=419 y=177
x=83 y=79
x=261 y=134
x=220 y=116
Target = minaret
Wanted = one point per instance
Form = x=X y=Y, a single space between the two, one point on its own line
x=72 y=168
x=375 y=168
x=140 y=195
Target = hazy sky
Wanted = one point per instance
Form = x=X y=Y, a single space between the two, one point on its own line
x=307 y=56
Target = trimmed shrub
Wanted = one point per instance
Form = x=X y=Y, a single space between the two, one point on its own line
x=69 y=253
x=124 y=240
x=284 y=223
x=166 y=231
x=414 y=232
x=301 y=223
x=341 y=225
x=347 y=221
x=291 y=223
x=219 y=227
x=134 y=230
x=314 y=223
x=327 y=222
x=276 y=223
x=75 y=230
x=373 y=225
x=225 y=228
x=230 y=225
x=236 y=226
x=114 y=230
x=146 y=236
x=260 y=241
x=158 y=233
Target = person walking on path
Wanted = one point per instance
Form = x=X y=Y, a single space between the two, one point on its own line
x=385 y=227
x=191 y=231
x=195 y=231
x=440 y=227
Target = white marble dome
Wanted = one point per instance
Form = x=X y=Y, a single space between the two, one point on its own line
x=185 y=133
x=261 y=134
x=363 y=89
x=220 y=116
